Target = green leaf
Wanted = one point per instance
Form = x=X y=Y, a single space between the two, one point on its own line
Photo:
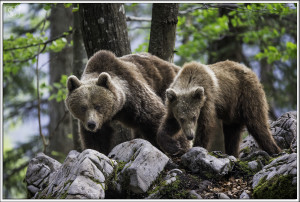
x=75 y=9
x=67 y=5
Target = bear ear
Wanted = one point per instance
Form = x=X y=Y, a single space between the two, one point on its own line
x=198 y=93
x=171 y=95
x=73 y=83
x=104 y=80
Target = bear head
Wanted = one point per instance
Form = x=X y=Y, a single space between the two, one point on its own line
x=186 y=108
x=93 y=102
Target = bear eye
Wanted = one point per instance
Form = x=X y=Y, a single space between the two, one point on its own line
x=194 y=118
x=181 y=120
x=83 y=108
x=97 y=107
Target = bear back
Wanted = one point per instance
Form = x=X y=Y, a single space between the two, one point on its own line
x=146 y=68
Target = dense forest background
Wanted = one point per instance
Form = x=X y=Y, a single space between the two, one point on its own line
x=45 y=43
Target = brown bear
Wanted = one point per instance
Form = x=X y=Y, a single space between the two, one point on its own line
x=202 y=94
x=128 y=89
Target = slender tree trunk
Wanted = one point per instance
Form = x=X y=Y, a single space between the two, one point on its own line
x=60 y=126
x=163 y=30
x=229 y=47
x=79 y=60
x=104 y=27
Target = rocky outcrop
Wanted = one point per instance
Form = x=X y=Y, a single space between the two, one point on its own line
x=136 y=169
x=277 y=179
x=82 y=176
x=142 y=165
x=284 y=131
x=198 y=160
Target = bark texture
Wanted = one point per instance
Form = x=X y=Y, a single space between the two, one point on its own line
x=163 y=30
x=60 y=63
x=104 y=28
x=79 y=61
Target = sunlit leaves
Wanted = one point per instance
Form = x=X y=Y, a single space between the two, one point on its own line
x=59 y=89
x=273 y=54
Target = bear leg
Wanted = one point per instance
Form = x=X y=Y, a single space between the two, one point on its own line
x=263 y=137
x=232 y=138
x=255 y=116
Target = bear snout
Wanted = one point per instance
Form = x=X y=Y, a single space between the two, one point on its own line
x=190 y=136
x=91 y=125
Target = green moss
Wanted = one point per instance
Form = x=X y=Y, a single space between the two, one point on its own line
x=279 y=187
x=67 y=182
x=174 y=190
x=243 y=168
x=64 y=195
x=246 y=150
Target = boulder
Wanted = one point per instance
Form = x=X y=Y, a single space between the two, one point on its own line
x=276 y=180
x=198 y=160
x=81 y=176
x=244 y=195
x=284 y=131
x=39 y=171
x=143 y=164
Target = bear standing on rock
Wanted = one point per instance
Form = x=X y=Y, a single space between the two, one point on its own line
x=129 y=89
x=201 y=94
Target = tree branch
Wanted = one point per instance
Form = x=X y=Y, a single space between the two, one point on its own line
x=139 y=19
x=45 y=143
x=38 y=44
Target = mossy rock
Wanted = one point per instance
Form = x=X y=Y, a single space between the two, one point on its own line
x=278 y=187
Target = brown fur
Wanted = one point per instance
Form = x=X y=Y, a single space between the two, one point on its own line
x=128 y=89
x=236 y=97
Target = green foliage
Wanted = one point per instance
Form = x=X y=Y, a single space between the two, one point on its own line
x=23 y=35
x=60 y=89
x=143 y=47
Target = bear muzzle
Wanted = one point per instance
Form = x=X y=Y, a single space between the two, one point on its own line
x=91 y=125
x=190 y=135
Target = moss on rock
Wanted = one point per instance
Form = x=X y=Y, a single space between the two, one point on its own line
x=278 y=187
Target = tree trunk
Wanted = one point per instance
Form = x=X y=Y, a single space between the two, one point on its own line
x=79 y=60
x=228 y=47
x=163 y=30
x=60 y=63
x=104 y=28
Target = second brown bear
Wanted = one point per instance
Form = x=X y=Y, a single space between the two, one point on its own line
x=201 y=94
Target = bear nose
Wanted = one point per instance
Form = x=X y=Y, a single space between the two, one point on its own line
x=190 y=136
x=91 y=125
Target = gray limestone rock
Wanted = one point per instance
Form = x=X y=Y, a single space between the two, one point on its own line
x=39 y=170
x=143 y=161
x=198 y=160
x=283 y=165
x=195 y=194
x=284 y=130
x=244 y=195
x=81 y=176
x=223 y=196
x=253 y=165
